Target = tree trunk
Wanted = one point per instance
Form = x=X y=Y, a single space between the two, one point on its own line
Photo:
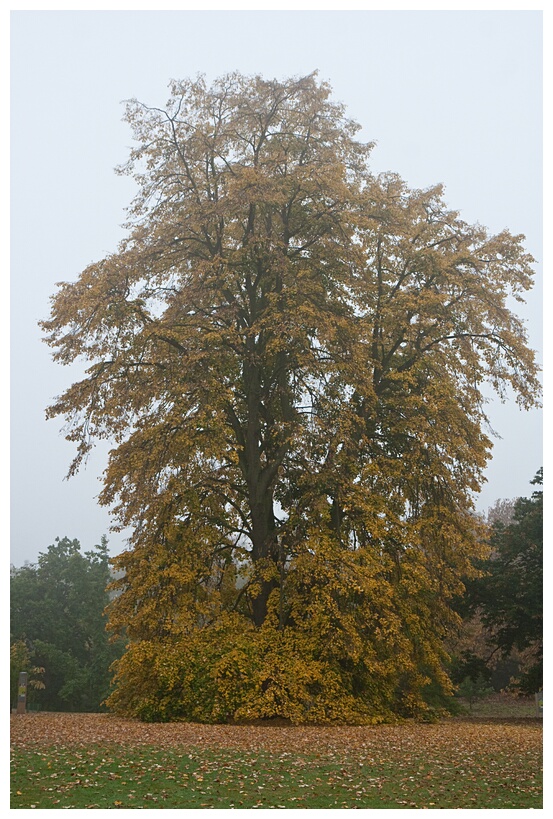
x=264 y=552
x=258 y=476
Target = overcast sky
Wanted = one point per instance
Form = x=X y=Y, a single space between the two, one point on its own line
x=450 y=97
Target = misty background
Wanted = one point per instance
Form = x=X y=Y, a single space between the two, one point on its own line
x=452 y=97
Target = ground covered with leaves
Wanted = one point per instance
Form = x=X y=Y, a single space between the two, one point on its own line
x=102 y=761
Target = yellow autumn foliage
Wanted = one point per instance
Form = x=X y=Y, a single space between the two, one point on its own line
x=289 y=355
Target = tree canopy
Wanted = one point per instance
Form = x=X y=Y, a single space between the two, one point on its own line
x=288 y=355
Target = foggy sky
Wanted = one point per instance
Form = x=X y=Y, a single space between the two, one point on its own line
x=450 y=97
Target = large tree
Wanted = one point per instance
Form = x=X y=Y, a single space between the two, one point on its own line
x=288 y=354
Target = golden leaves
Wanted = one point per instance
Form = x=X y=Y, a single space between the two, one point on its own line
x=288 y=354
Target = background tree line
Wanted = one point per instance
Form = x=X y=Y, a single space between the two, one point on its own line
x=58 y=628
x=58 y=616
x=502 y=609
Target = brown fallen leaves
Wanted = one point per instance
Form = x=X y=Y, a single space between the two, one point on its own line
x=449 y=738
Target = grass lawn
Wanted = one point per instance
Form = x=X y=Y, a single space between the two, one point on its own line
x=101 y=761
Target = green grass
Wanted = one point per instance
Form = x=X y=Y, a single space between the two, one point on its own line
x=146 y=777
